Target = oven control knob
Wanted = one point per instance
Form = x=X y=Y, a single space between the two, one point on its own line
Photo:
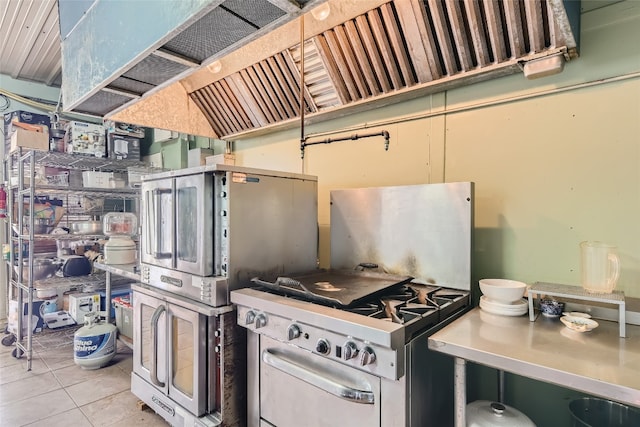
x=293 y=331
x=261 y=320
x=367 y=356
x=323 y=346
x=250 y=317
x=349 y=350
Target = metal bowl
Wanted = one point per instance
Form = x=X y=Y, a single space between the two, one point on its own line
x=43 y=268
x=40 y=225
x=86 y=227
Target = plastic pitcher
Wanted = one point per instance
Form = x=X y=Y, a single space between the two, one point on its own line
x=600 y=267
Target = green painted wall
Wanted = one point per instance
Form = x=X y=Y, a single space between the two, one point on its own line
x=555 y=161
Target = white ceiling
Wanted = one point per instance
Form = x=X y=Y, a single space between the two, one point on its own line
x=30 y=39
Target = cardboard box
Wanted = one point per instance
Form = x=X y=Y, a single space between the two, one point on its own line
x=30 y=140
x=222 y=159
x=23 y=117
x=124 y=129
x=81 y=304
x=96 y=179
x=124 y=316
x=36 y=319
x=85 y=138
x=123 y=147
x=198 y=156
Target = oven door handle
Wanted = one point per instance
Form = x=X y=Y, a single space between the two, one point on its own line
x=154 y=327
x=330 y=386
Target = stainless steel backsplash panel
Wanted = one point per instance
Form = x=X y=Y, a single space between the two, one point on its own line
x=424 y=231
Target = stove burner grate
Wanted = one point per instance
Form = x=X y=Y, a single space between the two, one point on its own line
x=405 y=304
x=409 y=303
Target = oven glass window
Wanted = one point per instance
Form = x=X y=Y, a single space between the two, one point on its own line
x=157 y=235
x=183 y=355
x=187 y=208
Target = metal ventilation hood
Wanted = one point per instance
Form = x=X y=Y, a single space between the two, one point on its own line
x=369 y=53
x=116 y=52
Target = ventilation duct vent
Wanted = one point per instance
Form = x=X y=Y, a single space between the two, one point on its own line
x=102 y=102
x=136 y=49
x=404 y=48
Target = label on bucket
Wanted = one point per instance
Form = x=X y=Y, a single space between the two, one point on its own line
x=93 y=346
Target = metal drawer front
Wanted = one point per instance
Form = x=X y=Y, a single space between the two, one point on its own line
x=327 y=384
x=300 y=388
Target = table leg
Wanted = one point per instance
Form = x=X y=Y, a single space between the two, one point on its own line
x=460 y=391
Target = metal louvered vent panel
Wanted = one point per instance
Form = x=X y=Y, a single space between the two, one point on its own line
x=400 y=45
x=258 y=12
x=262 y=94
x=472 y=34
x=127 y=84
x=317 y=81
x=101 y=103
x=154 y=70
x=211 y=34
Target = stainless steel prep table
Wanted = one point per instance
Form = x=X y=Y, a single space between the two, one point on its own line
x=597 y=362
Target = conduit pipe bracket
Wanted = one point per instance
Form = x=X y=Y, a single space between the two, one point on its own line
x=304 y=142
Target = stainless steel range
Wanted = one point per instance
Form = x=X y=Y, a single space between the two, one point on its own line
x=349 y=346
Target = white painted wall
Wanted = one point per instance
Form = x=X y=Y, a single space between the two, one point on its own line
x=557 y=167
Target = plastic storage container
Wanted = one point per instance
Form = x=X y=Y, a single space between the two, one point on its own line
x=120 y=249
x=120 y=224
x=124 y=291
x=124 y=316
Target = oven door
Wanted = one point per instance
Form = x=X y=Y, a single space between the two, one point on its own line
x=171 y=351
x=178 y=223
x=300 y=388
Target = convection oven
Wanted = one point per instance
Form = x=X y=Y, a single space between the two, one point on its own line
x=184 y=363
x=205 y=231
x=210 y=229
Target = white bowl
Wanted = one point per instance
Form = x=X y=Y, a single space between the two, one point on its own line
x=502 y=290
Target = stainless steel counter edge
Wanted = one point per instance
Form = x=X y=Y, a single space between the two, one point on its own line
x=124 y=270
x=385 y=334
x=227 y=168
x=591 y=363
x=193 y=305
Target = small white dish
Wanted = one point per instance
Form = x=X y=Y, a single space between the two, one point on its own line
x=577 y=314
x=579 y=324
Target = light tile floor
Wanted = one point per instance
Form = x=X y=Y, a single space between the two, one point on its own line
x=57 y=392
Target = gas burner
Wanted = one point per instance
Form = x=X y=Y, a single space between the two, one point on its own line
x=416 y=304
x=412 y=302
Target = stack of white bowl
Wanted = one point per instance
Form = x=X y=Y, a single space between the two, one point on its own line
x=503 y=297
